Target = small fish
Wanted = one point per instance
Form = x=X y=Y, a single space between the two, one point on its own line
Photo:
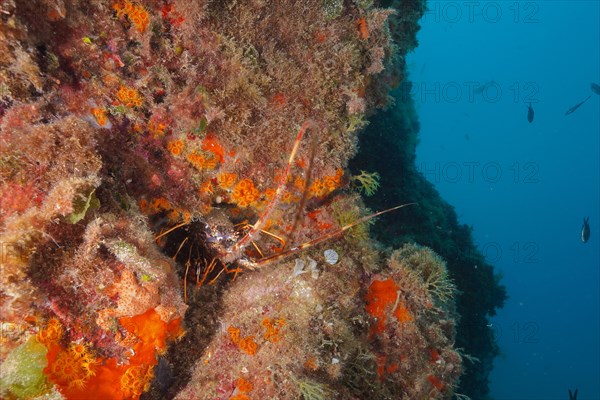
x=576 y=106
x=595 y=88
x=572 y=395
x=530 y=113
x=585 y=230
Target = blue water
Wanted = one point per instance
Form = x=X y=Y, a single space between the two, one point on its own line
x=525 y=187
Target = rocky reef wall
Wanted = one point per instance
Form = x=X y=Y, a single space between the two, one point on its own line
x=388 y=146
x=178 y=219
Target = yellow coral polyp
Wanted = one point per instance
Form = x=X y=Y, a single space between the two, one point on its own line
x=289 y=198
x=173 y=215
x=202 y=163
x=143 y=204
x=129 y=97
x=269 y=194
x=160 y=204
x=139 y=17
x=326 y=185
x=175 y=147
x=99 y=115
x=156 y=128
x=245 y=194
x=317 y=189
x=78 y=350
x=244 y=184
x=206 y=188
x=137 y=14
x=234 y=334
x=136 y=380
x=248 y=345
x=72 y=367
x=123 y=8
x=51 y=334
x=330 y=183
x=239 y=396
x=273 y=328
x=227 y=180
x=299 y=183
x=244 y=385
x=178 y=215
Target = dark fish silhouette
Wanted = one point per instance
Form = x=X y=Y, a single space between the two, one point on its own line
x=595 y=88
x=576 y=106
x=530 y=113
x=573 y=396
x=585 y=230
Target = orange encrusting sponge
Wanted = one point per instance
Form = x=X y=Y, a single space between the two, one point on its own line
x=381 y=294
x=79 y=375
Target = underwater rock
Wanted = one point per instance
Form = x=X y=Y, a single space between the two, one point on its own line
x=142 y=142
x=389 y=145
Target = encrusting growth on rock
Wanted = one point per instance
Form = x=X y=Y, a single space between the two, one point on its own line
x=165 y=167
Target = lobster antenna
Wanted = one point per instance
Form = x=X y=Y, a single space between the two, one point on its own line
x=320 y=239
x=237 y=249
x=305 y=192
